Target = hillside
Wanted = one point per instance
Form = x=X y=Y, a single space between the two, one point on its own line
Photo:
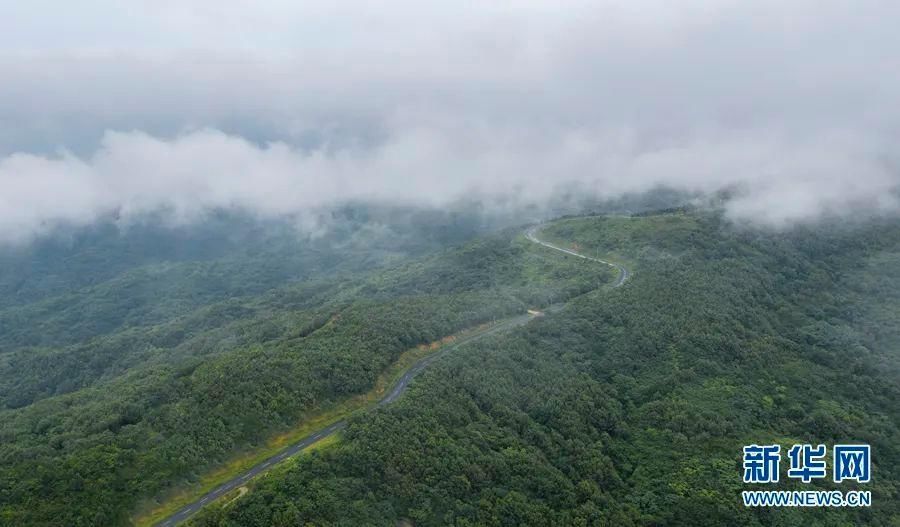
x=630 y=406
x=98 y=425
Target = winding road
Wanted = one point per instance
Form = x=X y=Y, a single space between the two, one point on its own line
x=531 y=234
x=242 y=479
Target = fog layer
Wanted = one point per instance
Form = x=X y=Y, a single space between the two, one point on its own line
x=277 y=109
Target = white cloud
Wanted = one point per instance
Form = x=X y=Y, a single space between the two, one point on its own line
x=280 y=107
x=133 y=173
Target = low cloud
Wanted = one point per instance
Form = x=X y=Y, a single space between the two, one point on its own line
x=771 y=181
x=279 y=110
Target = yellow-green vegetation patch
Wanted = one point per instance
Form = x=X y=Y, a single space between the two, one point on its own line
x=544 y=266
x=626 y=240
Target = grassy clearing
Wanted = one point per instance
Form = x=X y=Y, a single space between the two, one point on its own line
x=622 y=239
x=545 y=268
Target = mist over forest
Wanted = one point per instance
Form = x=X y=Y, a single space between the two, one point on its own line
x=419 y=264
x=789 y=109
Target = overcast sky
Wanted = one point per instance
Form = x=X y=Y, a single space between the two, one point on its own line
x=277 y=107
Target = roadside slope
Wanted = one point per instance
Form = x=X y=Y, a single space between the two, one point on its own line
x=400 y=386
x=631 y=406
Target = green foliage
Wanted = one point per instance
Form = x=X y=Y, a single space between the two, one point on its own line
x=163 y=387
x=630 y=407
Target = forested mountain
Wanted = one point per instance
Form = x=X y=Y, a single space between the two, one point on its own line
x=417 y=264
x=120 y=390
x=630 y=406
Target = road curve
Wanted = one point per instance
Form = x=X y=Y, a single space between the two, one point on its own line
x=624 y=274
x=238 y=481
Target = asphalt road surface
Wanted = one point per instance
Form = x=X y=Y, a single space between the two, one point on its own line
x=624 y=274
x=238 y=481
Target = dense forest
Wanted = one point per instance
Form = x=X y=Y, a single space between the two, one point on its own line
x=123 y=387
x=630 y=406
x=627 y=407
